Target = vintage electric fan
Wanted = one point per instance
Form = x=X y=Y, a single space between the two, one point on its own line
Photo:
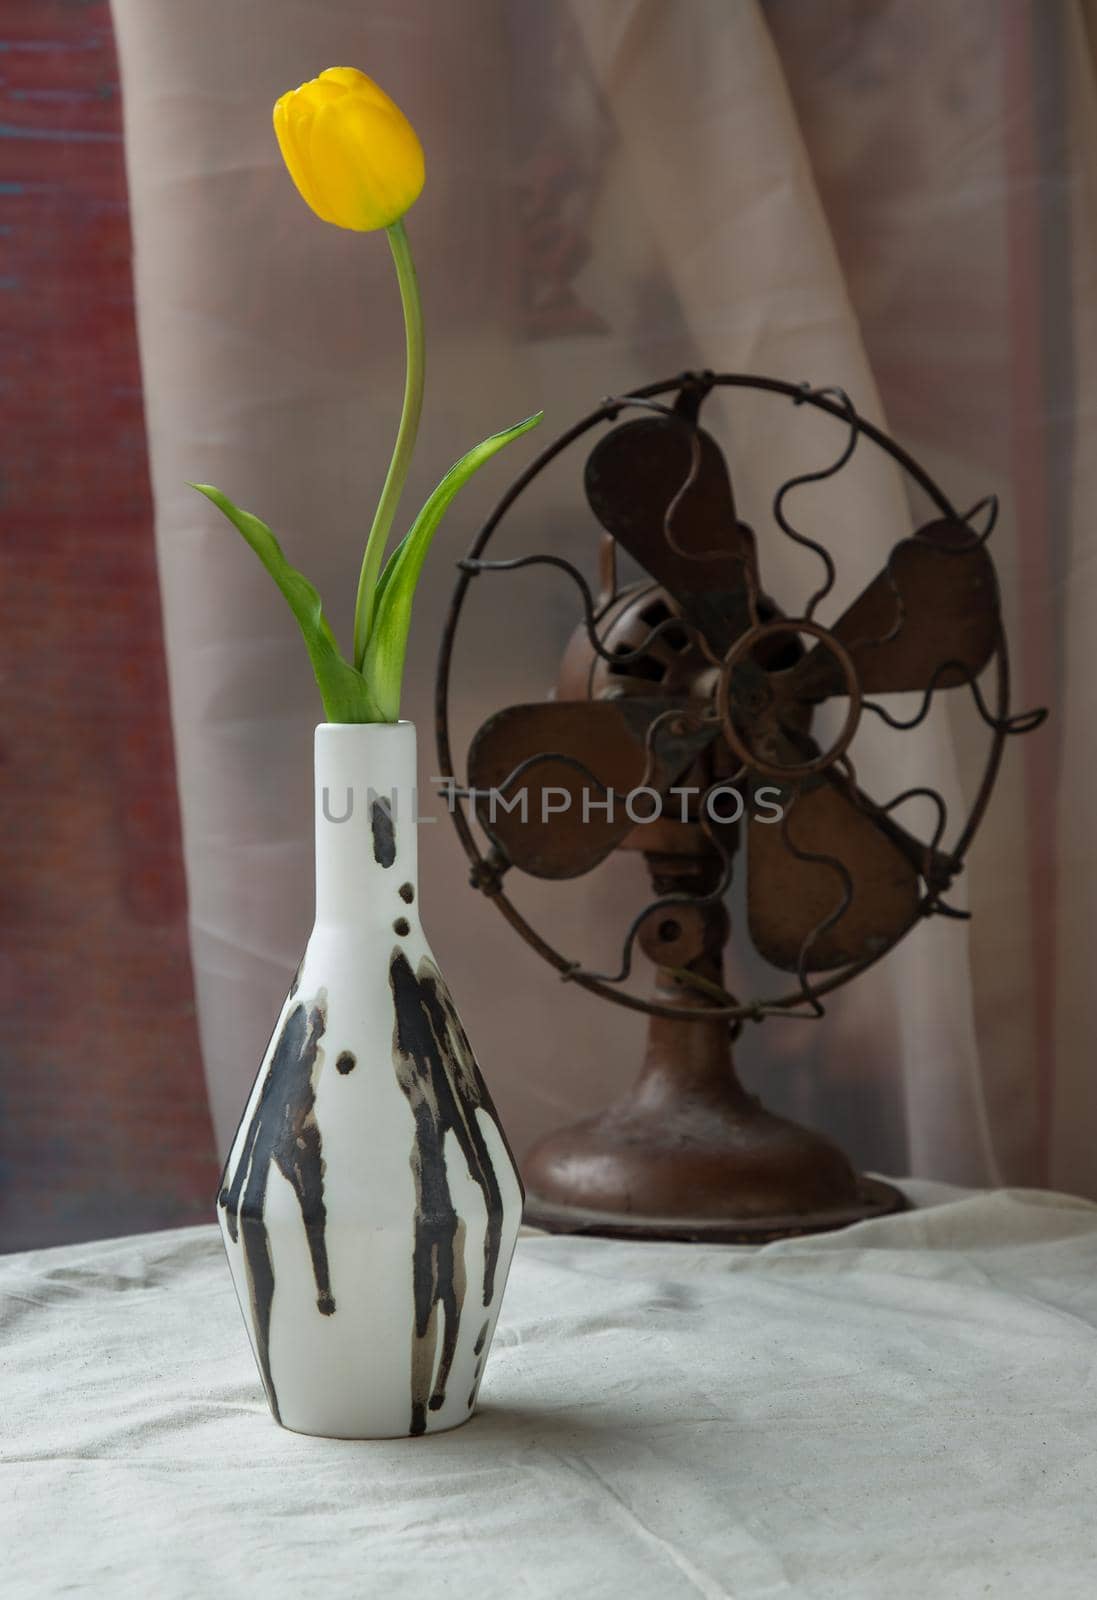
x=695 y=679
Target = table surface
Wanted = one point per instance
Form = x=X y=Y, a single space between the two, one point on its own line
x=906 y=1408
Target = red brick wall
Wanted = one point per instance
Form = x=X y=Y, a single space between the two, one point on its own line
x=104 y=1127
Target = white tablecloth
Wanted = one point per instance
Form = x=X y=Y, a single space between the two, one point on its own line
x=903 y=1409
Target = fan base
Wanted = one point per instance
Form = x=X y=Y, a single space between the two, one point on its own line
x=874 y=1198
x=689 y=1153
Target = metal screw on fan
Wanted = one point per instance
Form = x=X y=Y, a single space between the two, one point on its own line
x=695 y=678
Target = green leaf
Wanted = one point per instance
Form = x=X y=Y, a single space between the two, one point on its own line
x=383 y=664
x=344 y=691
x=389 y=569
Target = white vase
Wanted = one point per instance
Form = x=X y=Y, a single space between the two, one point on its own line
x=370 y=1203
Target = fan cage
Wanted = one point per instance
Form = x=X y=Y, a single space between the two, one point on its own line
x=487 y=868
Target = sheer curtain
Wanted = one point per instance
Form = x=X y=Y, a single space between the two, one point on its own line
x=888 y=196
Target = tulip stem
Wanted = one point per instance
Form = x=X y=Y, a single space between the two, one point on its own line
x=405 y=439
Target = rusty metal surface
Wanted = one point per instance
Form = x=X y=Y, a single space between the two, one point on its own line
x=661 y=488
x=687 y=1152
x=765 y=717
x=930 y=620
x=591 y=755
x=931 y=617
x=695 y=676
x=874 y=1198
x=827 y=886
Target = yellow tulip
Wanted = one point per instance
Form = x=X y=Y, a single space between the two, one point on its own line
x=357 y=162
x=352 y=153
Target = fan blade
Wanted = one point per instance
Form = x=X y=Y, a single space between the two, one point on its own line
x=788 y=897
x=935 y=603
x=563 y=828
x=636 y=481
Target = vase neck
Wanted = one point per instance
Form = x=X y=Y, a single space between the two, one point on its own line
x=366 y=814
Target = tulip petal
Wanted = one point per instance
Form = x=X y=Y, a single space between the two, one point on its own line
x=388 y=158
x=349 y=78
x=333 y=174
x=353 y=155
x=290 y=129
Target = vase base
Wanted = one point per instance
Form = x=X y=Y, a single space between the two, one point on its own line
x=381 y=1434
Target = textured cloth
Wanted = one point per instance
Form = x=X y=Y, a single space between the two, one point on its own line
x=902 y=1409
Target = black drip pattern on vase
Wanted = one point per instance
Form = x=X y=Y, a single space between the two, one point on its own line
x=401 y=926
x=283 y=1131
x=437 y=1071
x=345 y=1062
x=384 y=831
x=407 y=893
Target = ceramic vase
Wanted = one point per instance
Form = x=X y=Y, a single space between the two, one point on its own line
x=370 y=1202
